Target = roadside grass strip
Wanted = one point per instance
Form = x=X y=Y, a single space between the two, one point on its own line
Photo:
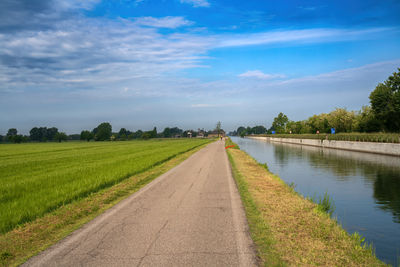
x=288 y=229
x=44 y=229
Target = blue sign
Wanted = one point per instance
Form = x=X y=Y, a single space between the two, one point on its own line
x=273 y=132
x=332 y=130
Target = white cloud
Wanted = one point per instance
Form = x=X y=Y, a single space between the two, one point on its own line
x=260 y=75
x=165 y=22
x=197 y=3
x=298 y=36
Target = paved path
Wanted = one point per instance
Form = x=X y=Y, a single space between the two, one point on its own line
x=190 y=216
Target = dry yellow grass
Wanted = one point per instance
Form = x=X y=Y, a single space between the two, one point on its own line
x=301 y=235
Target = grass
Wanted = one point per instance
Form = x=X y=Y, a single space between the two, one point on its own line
x=38 y=178
x=359 y=137
x=26 y=240
x=288 y=229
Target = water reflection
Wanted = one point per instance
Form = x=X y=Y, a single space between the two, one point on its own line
x=387 y=192
x=365 y=187
x=381 y=171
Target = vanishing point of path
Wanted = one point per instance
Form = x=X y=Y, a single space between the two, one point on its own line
x=190 y=216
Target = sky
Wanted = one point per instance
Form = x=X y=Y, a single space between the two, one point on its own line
x=189 y=63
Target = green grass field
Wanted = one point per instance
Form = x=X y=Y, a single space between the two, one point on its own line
x=38 y=178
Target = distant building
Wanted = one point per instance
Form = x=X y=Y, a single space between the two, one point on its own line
x=214 y=134
x=200 y=134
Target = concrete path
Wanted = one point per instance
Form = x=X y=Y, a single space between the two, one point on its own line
x=190 y=216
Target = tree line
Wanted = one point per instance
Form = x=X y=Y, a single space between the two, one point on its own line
x=382 y=115
x=103 y=132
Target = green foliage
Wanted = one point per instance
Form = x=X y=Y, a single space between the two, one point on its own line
x=385 y=102
x=279 y=123
x=38 y=178
x=359 y=137
x=60 y=137
x=86 y=135
x=12 y=132
x=103 y=132
x=43 y=134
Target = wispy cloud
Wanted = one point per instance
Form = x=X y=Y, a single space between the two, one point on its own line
x=299 y=36
x=197 y=3
x=260 y=75
x=165 y=22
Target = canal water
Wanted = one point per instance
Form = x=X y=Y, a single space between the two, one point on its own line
x=365 y=187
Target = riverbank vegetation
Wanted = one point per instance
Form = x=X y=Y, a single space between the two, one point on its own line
x=49 y=190
x=381 y=116
x=288 y=229
x=359 y=137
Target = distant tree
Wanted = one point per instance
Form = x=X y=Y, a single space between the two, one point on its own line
x=51 y=133
x=103 y=132
x=59 y=136
x=385 y=102
x=218 y=128
x=146 y=135
x=240 y=130
x=19 y=139
x=1 y=138
x=87 y=135
x=176 y=131
x=342 y=120
x=279 y=123
x=258 y=129
x=11 y=134
x=35 y=134
x=153 y=134
x=138 y=134
x=167 y=132
x=74 y=137
x=366 y=121
x=122 y=132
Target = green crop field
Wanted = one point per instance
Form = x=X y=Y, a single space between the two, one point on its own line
x=38 y=178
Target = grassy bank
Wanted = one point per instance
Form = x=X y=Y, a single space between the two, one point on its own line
x=359 y=137
x=42 y=230
x=289 y=230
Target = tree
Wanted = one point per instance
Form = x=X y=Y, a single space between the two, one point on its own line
x=153 y=134
x=341 y=120
x=59 y=136
x=258 y=129
x=167 y=132
x=103 y=131
x=86 y=135
x=11 y=134
x=241 y=130
x=385 y=102
x=51 y=133
x=218 y=128
x=146 y=135
x=279 y=123
x=138 y=134
x=367 y=121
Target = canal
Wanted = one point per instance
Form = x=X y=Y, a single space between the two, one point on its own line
x=365 y=187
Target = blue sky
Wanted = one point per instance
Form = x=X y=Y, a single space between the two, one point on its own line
x=189 y=63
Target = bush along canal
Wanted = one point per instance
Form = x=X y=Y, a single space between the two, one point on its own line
x=364 y=189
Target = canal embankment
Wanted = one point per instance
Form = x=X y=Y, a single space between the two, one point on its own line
x=288 y=229
x=392 y=149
